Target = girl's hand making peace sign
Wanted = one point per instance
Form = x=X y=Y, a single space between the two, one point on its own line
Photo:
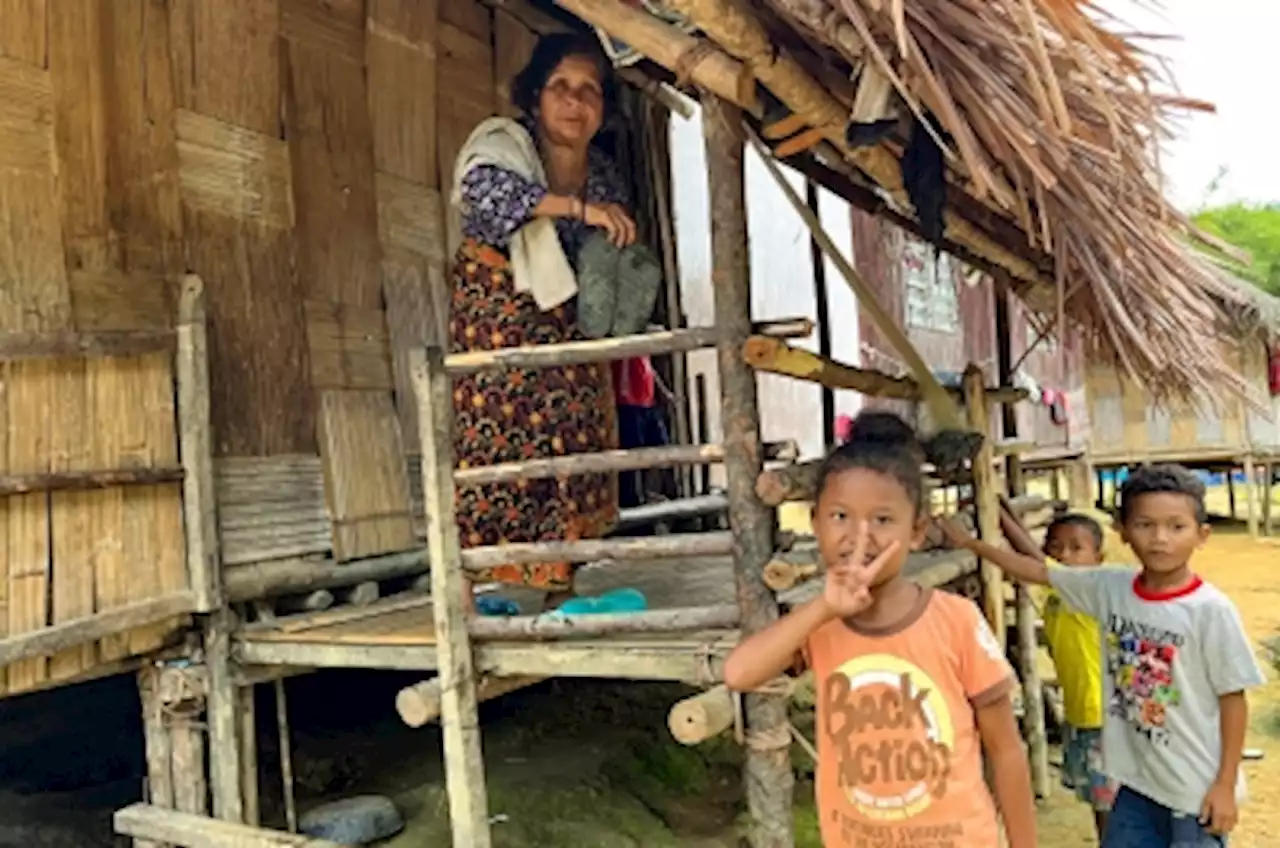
x=847 y=590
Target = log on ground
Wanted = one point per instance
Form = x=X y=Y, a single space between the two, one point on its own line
x=170 y=827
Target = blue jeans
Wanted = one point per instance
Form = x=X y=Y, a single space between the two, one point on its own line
x=1138 y=822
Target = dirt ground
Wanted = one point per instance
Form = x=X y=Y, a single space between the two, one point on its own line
x=1248 y=571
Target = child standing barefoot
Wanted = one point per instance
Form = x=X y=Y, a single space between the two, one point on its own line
x=912 y=684
x=1075 y=643
x=1178 y=665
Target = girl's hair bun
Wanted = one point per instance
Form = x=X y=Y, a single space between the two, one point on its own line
x=882 y=428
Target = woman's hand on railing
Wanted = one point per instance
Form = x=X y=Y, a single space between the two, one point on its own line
x=613 y=219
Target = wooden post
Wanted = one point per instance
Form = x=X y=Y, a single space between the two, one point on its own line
x=224 y=729
x=1251 y=495
x=286 y=756
x=1026 y=615
x=459 y=717
x=159 y=751
x=1080 y=486
x=986 y=497
x=248 y=714
x=195 y=446
x=769 y=779
x=1231 y=493
x=1268 y=483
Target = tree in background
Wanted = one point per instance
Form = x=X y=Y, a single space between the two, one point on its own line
x=1254 y=227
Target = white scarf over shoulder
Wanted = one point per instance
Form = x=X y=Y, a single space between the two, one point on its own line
x=538 y=263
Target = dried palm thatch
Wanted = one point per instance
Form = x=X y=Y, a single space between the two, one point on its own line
x=1045 y=113
x=1047 y=117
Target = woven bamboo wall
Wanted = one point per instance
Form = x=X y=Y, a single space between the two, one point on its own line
x=1126 y=427
x=90 y=235
x=292 y=154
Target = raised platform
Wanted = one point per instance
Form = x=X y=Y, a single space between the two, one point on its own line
x=398 y=633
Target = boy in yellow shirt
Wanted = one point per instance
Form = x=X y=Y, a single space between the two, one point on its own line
x=1075 y=642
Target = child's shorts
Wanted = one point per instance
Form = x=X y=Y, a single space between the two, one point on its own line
x=1082 y=769
x=1136 y=821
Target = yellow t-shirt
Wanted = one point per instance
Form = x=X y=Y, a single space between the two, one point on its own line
x=1075 y=643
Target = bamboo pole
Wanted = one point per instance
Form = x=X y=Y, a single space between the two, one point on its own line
x=464 y=761
x=1027 y=617
x=59 y=637
x=632 y=459
x=1251 y=495
x=602 y=350
x=673 y=510
x=709 y=69
x=768 y=776
x=702 y=716
x=680 y=619
x=420 y=703
x=286 y=755
x=777 y=357
x=247 y=713
x=195 y=447
x=986 y=497
x=590 y=550
x=21 y=484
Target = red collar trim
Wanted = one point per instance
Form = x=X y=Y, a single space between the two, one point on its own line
x=1171 y=595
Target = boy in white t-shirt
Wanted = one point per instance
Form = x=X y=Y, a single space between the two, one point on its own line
x=1178 y=663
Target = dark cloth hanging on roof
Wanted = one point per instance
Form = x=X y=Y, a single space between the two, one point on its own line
x=924 y=178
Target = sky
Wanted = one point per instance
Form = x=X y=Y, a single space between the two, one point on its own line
x=1229 y=54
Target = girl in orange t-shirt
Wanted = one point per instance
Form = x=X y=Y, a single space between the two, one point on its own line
x=912 y=684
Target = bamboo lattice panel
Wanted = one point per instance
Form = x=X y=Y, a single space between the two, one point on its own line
x=89 y=235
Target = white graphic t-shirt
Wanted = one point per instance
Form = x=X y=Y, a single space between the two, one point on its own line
x=1168 y=659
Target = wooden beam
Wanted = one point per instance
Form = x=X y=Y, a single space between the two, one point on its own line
x=21 y=484
x=59 y=637
x=768 y=776
x=698 y=661
x=464 y=762
x=59 y=345
x=579 y=353
x=945 y=411
x=195 y=447
x=142 y=821
x=673 y=510
x=273 y=578
x=685 y=56
x=680 y=619
x=666 y=456
x=777 y=357
x=653 y=343
x=590 y=550
x=929 y=568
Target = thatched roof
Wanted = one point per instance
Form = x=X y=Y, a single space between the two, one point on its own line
x=1047 y=116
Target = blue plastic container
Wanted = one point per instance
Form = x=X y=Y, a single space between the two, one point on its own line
x=614 y=601
x=494 y=605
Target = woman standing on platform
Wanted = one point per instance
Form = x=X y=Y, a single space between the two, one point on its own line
x=530 y=192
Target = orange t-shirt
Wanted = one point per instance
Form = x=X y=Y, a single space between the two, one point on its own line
x=900 y=761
